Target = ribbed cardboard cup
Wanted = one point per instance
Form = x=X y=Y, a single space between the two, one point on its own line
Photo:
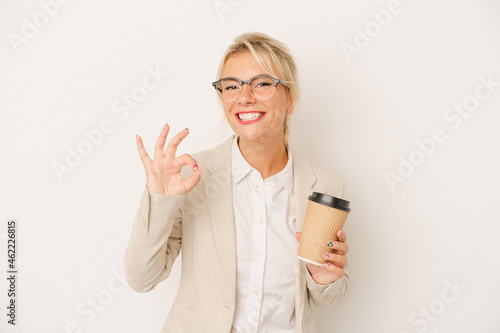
x=325 y=215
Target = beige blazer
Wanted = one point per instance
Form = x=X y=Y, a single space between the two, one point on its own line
x=201 y=223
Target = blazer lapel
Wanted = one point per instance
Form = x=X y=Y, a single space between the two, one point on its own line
x=303 y=181
x=219 y=194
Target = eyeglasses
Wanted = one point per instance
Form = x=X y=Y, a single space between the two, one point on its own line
x=262 y=87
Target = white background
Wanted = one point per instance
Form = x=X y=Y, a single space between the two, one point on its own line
x=358 y=116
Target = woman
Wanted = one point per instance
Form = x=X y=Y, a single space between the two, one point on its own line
x=236 y=217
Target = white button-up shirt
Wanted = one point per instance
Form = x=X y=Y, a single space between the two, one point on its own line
x=266 y=248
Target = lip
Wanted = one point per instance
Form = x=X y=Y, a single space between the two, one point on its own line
x=249 y=121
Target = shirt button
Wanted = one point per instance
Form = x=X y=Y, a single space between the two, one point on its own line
x=261 y=221
x=256 y=291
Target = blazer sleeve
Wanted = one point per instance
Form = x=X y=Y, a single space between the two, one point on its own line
x=155 y=242
x=323 y=295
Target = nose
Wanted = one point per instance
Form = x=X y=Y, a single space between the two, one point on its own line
x=245 y=96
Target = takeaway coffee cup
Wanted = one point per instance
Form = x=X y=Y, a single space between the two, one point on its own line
x=325 y=215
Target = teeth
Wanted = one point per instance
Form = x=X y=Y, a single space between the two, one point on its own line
x=250 y=116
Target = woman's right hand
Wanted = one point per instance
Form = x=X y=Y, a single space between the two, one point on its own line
x=163 y=173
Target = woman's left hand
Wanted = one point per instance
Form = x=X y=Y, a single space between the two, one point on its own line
x=333 y=268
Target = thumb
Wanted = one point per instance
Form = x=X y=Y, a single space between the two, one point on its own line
x=297 y=235
x=192 y=181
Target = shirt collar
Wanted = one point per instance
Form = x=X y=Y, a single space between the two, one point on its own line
x=241 y=168
x=239 y=165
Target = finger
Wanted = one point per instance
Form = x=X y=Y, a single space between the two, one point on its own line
x=172 y=145
x=146 y=160
x=187 y=159
x=342 y=236
x=297 y=235
x=335 y=259
x=160 y=142
x=338 y=247
x=191 y=182
x=339 y=271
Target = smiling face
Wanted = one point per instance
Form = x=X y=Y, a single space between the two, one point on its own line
x=255 y=121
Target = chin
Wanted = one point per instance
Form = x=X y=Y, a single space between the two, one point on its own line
x=255 y=133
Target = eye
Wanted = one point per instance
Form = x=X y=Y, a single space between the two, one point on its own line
x=229 y=85
x=261 y=83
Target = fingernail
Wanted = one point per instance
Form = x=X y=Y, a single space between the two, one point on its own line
x=330 y=244
x=327 y=264
x=195 y=167
x=326 y=255
x=341 y=234
x=186 y=129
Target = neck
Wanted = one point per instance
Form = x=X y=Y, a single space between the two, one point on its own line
x=268 y=159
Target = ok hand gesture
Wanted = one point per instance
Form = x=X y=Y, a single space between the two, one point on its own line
x=163 y=173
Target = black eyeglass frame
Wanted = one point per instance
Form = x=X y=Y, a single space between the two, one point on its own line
x=275 y=81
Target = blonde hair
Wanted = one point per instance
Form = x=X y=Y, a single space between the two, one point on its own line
x=267 y=50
